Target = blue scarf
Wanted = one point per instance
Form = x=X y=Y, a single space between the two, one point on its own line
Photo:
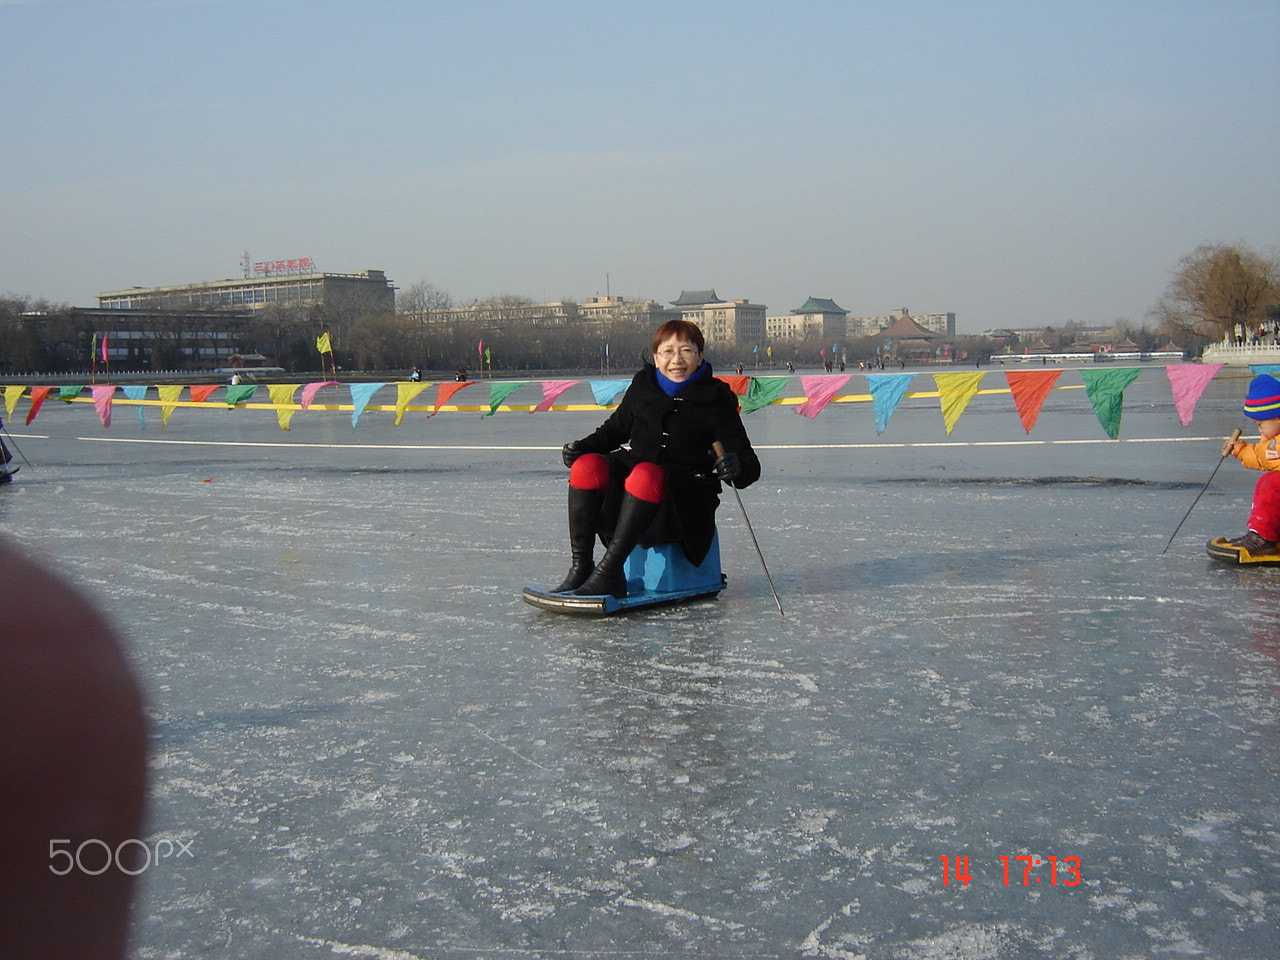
x=672 y=387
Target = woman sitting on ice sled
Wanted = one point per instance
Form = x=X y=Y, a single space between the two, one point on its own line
x=665 y=488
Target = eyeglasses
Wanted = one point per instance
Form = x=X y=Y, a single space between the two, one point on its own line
x=683 y=350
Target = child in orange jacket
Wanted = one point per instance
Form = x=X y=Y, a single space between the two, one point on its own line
x=1261 y=542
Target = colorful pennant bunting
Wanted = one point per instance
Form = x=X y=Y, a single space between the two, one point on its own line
x=446 y=392
x=1188 y=381
x=607 y=392
x=887 y=390
x=360 y=395
x=1106 y=393
x=551 y=390
x=762 y=392
x=498 y=392
x=818 y=391
x=1030 y=388
x=281 y=394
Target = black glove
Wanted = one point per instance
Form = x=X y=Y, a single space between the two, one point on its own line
x=569 y=453
x=727 y=466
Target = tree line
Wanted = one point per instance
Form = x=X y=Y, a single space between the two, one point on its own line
x=1216 y=291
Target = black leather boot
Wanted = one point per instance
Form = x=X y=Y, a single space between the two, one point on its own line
x=584 y=511
x=609 y=577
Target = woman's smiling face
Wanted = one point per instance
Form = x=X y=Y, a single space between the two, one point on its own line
x=677 y=359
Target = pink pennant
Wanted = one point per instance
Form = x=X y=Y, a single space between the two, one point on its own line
x=102 y=394
x=310 y=390
x=1188 y=381
x=819 y=390
x=551 y=389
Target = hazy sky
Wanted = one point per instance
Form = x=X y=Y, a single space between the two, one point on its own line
x=1015 y=163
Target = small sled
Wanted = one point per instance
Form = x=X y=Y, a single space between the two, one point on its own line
x=1221 y=549
x=7 y=472
x=655 y=575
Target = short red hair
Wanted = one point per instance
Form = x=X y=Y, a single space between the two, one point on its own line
x=681 y=330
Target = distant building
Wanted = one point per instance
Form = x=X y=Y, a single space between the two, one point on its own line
x=605 y=310
x=344 y=296
x=940 y=323
x=726 y=322
x=817 y=318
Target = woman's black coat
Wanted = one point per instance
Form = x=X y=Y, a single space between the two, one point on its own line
x=675 y=433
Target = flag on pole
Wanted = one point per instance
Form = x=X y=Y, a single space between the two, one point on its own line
x=323 y=344
x=104 y=347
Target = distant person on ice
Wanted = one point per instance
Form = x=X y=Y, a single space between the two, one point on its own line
x=1261 y=540
x=666 y=487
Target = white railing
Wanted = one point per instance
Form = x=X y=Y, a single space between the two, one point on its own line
x=1243 y=356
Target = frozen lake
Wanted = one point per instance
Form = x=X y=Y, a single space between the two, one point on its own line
x=373 y=748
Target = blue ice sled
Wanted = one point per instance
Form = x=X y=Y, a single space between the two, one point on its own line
x=658 y=574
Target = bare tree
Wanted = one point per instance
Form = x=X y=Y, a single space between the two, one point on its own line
x=1219 y=291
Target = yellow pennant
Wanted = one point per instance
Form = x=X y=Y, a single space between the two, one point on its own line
x=955 y=390
x=169 y=399
x=405 y=392
x=11 y=394
x=281 y=395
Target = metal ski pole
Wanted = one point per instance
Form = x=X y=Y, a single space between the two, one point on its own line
x=15 y=445
x=1235 y=435
x=718 y=449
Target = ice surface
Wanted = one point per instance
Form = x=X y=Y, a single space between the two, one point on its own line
x=374 y=749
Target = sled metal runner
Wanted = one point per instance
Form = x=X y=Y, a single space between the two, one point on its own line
x=655 y=576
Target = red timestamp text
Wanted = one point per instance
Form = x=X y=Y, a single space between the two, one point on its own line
x=1023 y=870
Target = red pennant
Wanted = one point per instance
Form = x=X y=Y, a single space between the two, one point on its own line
x=37 y=401
x=447 y=390
x=1030 y=388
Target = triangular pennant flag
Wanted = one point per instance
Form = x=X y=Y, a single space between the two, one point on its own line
x=102 y=394
x=1030 y=389
x=137 y=392
x=1188 y=381
x=281 y=395
x=818 y=391
x=240 y=393
x=887 y=390
x=1258 y=369
x=68 y=394
x=955 y=390
x=311 y=389
x=12 y=393
x=37 y=400
x=405 y=392
x=1106 y=392
x=446 y=391
x=360 y=394
x=608 y=391
x=762 y=391
x=499 y=392
x=738 y=383
x=200 y=392
x=551 y=390
x=169 y=394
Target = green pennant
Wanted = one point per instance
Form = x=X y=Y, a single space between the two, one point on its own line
x=69 y=393
x=240 y=393
x=1106 y=392
x=499 y=391
x=763 y=391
